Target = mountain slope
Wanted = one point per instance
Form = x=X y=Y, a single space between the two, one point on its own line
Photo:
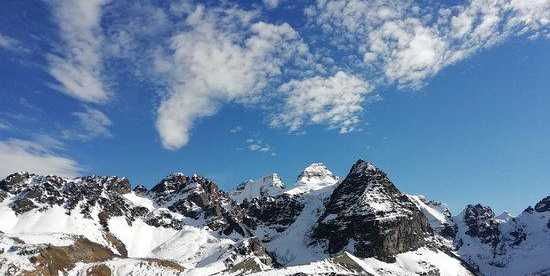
x=324 y=225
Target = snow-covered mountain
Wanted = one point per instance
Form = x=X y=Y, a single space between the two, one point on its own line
x=270 y=185
x=324 y=225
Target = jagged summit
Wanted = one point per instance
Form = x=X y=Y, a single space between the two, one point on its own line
x=543 y=205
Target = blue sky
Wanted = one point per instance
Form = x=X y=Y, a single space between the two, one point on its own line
x=450 y=98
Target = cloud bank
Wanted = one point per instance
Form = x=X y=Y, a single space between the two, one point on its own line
x=17 y=155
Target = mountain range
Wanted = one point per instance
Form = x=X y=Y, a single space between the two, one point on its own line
x=360 y=224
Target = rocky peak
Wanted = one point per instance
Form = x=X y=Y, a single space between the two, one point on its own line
x=14 y=184
x=110 y=183
x=543 y=205
x=368 y=215
x=198 y=197
x=140 y=190
x=481 y=223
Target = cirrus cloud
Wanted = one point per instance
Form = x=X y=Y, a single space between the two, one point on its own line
x=78 y=65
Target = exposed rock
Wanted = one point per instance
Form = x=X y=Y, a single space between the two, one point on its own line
x=248 y=255
x=140 y=190
x=279 y=211
x=482 y=224
x=197 y=197
x=52 y=259
x=543 y=205
x=367 y=214
x=99 y=270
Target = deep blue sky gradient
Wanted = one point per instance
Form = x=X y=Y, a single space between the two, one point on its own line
x=477 y=132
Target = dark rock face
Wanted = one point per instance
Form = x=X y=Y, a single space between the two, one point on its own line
x=279 y=211
x=482 y=224
x=140 y=190
x=543 y=205
x=32 y=191
x=367 y=214
x=193 y=197
x=448 y=231
x=197 y=197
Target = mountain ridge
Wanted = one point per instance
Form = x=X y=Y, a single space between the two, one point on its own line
x=188 y=222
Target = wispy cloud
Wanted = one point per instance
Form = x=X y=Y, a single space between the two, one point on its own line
x=225 y=56
x=4 y=125
x=236 y=129
x=258 y=145
x=79 y=64
x=11 y=44
x=92 y=124
x=17 y=155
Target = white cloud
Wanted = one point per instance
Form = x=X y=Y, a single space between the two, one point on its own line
x=335 y=101
x=78 y=67
x=236 y=129
x=10 y=43
x=92 y=124
x=217 y=62
x=407 y=44
x=17 y=155
x=257 y=145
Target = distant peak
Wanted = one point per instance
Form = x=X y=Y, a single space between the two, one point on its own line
x=315 y=170
x=314 y=177
x=269 y=185
x=274 y=180
x=505 y=216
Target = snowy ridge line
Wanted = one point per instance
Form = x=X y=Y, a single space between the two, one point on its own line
x=185 y=225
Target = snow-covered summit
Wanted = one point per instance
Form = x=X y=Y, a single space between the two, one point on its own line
x=270 y=185
x=314 y=177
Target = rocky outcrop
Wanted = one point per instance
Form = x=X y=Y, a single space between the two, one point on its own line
x=197 y=197
x=543 y=205
x=276 y=212
x=248 y=255
x=481 y=223
x=369 y=216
